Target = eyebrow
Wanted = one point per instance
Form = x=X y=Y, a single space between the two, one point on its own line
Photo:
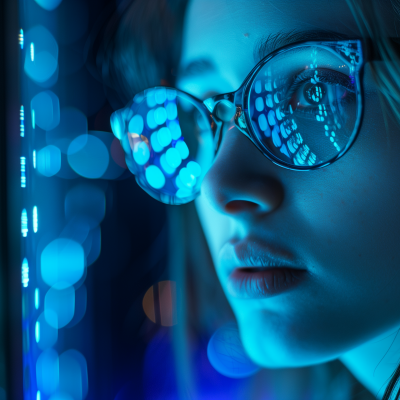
x=264 y=46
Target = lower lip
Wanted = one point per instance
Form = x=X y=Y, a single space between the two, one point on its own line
x=257 y=283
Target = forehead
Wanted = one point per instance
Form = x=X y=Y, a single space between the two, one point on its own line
x=225 y=32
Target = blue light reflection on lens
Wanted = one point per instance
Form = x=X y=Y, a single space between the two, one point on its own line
x=155 y=177
x=62 y=260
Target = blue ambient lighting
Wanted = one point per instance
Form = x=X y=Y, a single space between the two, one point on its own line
x=37 y=298
x=24 y=223
x=59 y=305
x=86 y=202
x=23 y=169
x=34 y=159
x=49 y=160
x=22 y=123
x=48 y=5
x=45 y=108
x=21 y=38
x=88 y=156
x=73 y=375
x=48 y=333
x=37 y=331
x=45 y=62
x=62 y=260
x=25 y=273
x=32 y=52
x=227 y=355
x=72 y=123
x=48 y=372
x=35 y=219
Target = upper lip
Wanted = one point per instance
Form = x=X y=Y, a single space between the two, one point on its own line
x=257 y=253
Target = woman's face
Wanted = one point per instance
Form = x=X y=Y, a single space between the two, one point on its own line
x=340 y=223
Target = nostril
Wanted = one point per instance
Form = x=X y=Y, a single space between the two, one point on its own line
x=239 y=206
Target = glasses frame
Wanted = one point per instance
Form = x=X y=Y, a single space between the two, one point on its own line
x=240 y=99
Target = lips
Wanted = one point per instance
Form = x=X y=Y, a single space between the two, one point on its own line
x=256 y=269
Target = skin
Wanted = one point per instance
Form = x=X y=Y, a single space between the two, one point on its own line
x=342 y=221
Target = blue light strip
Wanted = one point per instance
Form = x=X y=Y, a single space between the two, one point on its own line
x=22 y=123
x=23 y=170
x=21 y=38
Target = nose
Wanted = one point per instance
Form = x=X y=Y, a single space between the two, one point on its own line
x=242 y=181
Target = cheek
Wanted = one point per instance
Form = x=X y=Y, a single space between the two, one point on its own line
x=217 y=227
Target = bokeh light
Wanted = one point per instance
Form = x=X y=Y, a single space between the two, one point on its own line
x=88 y=156
x=86 y=201
x=48 y=372
x=45 y=62
x=48 y=5
x=48 y=333
x=49 y=160
x=73 y=374
x=227 y=355
x=62 y=261
x=159 y=303
x=73 y=123
x=59 y=305
x=80 y=306
x=45 y=106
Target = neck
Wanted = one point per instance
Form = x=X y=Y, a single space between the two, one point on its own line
x=374 y=362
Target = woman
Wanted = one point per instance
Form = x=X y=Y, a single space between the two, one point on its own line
x=329 y=236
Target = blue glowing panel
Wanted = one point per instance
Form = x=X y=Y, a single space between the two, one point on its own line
x=48 y=334
x=35 y=219
x=22 y=121
x=86 y=201
x=21 y=38
x=48 y=372
x=73 y=123
x=45 y=61
x=23 y=170
x=45 y=107
x=62 y=261
x=59 y=305
x=25 y=273
x=49 y=160
x=73 y=374
x=227 y=355
x=24 y=223
x=48 y=5
x=88 y=156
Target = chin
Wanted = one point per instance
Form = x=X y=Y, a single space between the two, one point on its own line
x=279 y=347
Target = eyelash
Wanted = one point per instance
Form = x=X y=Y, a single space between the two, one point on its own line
x=325 y=76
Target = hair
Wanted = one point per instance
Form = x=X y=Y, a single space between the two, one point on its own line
x=139 y=47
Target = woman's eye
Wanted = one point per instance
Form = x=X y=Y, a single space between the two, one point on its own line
x=331 y=88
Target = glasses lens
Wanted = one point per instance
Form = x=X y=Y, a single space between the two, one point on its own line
x=304 y=104
x=168 y=142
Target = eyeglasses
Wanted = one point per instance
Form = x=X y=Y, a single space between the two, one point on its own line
x=301 y=106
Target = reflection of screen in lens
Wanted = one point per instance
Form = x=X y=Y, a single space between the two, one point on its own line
x=303 y=104
x=168 y=134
